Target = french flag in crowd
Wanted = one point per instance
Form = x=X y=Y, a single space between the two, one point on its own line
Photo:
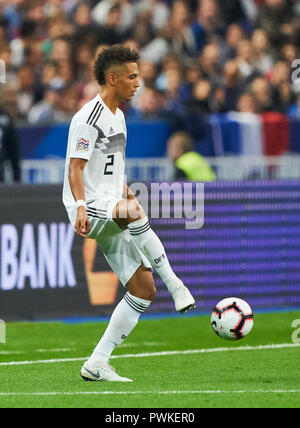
x=247 y=134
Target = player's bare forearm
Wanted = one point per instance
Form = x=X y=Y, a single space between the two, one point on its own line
x=76 y=178
x=76 y=168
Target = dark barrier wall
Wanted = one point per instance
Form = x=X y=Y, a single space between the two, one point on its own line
x=249 y=247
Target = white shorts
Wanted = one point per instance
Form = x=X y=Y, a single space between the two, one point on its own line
x=117 y=245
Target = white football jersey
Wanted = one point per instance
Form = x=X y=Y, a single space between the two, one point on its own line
x=98 y=136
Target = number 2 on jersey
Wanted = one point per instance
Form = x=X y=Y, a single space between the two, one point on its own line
x=109 y=164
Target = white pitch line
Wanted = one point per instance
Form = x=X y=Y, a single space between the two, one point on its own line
x=47 y=394
x=44 y=351
x=159 y=354
x=41 y=351
x=136 y=345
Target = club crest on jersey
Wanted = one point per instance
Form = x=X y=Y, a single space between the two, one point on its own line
x=82 y=145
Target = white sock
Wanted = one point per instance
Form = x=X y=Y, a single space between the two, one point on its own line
x=123 y=320
x=151 y=246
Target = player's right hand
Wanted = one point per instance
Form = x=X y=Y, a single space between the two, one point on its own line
x=82 y=225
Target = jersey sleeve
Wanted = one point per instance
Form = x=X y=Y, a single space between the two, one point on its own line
x=82 y=141
x=124 y=124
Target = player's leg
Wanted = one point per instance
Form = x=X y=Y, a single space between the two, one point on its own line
x=131 y=214
x=142 y=284
x=141 y=291
x=133 y=271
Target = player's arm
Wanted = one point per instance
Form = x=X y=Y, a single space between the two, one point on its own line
x=76 y=168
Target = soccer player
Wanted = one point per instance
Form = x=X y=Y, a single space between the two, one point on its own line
x=101 y=206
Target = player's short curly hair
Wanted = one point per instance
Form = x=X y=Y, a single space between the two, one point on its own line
x=114 y=55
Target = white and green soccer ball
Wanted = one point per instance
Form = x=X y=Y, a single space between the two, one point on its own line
x=232 y=319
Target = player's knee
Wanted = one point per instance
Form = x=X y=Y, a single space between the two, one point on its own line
x=148 y=290
x=135 y=211
x=150 y=294
x=145 y=293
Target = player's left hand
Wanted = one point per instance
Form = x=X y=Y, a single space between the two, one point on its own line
x=82 y=225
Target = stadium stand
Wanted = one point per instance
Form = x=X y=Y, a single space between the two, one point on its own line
x=223 y=71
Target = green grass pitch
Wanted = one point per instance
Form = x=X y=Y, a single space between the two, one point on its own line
x=244 y=374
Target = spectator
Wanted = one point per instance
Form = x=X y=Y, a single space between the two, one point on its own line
x=152 y=105
x=67 y=106
x=183 y=42
x=232 y=11
x=9 y=146
x=159 y=47
x=66 y=71
x=294 y=109
x=188 y=164
x=52 y=8
x=132 y=44
x=281 y=84
x=245 y=58
x=289 y=53
x=34 y=56
x=157 y=11
x=35 y=12
x=19 y=45
x=224 y=97
x=263 y=59
x=174 y=37
x=183 y=45
x=264 y=96
x=61 y=49
x=151 y=102
x=173 y=83
x=208 y=22
x=148 y=72
x=6 y=56
x=234 y=35
x=3 y=30
x=26 y=95
x=85 y=31
x=210 y=63
x=275 y=18
x=44 y=112
x=191 y=75
x=58 y=29
x=49 y=72
x=144 y=33
x=9 y=101
x=171 y=63
x=101 y=12
x=232 y=85
x=83 y=58
x=12 y=14
x=88 y=93
x=111 y=32
x=88 y=89
x=200 y=100
x=247 y=104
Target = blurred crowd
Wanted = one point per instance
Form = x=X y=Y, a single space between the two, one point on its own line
x=197 y=57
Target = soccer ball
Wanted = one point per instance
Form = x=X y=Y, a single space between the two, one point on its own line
x=232 y=319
